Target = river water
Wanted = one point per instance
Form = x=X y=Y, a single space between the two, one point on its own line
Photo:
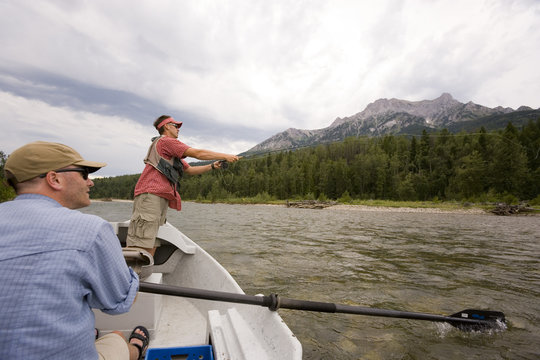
x=423 y=262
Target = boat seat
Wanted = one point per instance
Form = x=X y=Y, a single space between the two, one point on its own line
x=175 y=238
x=164 y=248
x=122 y=232
x=163 y=252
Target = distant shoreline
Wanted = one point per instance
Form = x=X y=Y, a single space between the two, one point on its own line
x=371 y=208
x=366 y=208
x=406 y=209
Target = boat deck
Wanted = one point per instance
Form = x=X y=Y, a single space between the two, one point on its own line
x=235 y=330
x=180 y=324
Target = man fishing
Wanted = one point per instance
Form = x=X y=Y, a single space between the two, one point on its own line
x=157 y=188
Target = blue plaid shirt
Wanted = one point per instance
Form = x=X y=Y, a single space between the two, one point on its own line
x=55 y=265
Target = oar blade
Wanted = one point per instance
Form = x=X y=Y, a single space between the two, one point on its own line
x=485 y=320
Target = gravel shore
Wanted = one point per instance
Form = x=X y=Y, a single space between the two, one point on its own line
x=407 y=209
x=370 y=208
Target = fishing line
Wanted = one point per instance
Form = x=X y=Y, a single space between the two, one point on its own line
x=223 y=171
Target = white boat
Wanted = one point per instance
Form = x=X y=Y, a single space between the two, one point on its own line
x=235 y=331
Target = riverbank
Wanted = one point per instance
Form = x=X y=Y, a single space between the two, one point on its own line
x=439 y=208
x=430 y=207
x=428 y=210
x=376 y=206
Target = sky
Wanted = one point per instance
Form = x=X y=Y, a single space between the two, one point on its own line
x=94 y=75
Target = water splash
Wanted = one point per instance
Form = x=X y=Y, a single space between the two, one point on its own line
x=444 y=329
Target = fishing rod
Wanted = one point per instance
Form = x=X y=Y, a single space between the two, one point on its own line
x=466 y=320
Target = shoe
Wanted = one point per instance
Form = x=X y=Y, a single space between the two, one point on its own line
x=144 y=338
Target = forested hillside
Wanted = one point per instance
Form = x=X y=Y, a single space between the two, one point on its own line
x=6 y=192
x=480 y=166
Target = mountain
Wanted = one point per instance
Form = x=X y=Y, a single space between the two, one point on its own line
x=396 y=116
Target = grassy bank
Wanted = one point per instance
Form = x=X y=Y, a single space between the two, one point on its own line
x=442 y=205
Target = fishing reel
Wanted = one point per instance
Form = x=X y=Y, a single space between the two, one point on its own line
x=223 y=164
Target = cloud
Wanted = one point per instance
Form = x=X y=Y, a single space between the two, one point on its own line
x=115 y=140
x=237 y=72
x=471 y=49
x=118 y=141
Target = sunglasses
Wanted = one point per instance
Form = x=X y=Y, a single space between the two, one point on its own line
x=175 y=125
x=84 y=172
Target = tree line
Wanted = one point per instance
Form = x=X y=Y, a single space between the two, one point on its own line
x=6 y=191
x=480 y=166
x=476 y=167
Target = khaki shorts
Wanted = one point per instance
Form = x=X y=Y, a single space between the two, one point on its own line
x=112 y=347
x=149 y=213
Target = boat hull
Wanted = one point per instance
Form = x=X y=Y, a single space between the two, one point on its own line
x=236 y=331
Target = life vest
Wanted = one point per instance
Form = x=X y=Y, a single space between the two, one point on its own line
x=172 y=169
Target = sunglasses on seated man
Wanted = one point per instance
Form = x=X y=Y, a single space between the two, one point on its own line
x=84 y=172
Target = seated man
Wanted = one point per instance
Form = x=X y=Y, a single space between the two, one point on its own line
x=57 y=263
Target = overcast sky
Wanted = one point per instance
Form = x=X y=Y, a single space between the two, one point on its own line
x=95 y=74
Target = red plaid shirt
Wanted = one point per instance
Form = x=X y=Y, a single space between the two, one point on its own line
x=154 y=182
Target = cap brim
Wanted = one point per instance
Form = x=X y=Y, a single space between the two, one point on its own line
x=92 y=166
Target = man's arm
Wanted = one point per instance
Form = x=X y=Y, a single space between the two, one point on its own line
x=197 y=170
x=203 y=154
x=113 y=286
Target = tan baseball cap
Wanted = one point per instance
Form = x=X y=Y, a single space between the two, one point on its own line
x=40 y=157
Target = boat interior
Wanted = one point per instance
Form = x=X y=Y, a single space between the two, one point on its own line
x=235 y=331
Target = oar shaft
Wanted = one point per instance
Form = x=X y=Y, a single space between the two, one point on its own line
x=274 y=302
x=400 y=314
x=359 y=310
x=201 y=294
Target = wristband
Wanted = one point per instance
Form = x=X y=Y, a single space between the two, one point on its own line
x=213 y=168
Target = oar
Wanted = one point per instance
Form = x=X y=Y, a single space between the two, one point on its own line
x=467 y=320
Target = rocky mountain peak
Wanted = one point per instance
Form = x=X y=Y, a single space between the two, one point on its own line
x=445 y=98
x=428 y=109
x=387 y=116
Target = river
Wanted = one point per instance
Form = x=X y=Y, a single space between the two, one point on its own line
x=437 y=263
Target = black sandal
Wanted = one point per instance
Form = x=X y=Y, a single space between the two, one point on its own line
x=144 y=338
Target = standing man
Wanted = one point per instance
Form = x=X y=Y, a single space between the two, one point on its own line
x=57 y=263
x=157 y=188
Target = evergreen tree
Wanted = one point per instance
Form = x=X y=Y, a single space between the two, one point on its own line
x=6 y=191
x=439 y=165
x=509 y=167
